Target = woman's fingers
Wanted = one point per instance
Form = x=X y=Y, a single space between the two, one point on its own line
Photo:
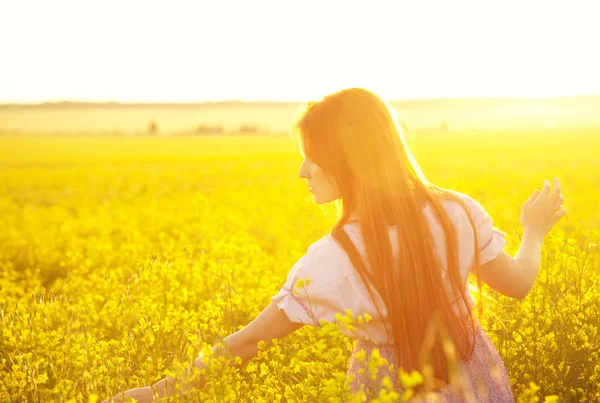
x=533 y=197
x=557 y=187
x=556 y=192
x=556 y=217
x=556 y=197
x=544 y=208
x=545 y=190
x=558 y=201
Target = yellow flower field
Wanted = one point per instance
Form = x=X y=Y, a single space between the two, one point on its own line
x=121 y=258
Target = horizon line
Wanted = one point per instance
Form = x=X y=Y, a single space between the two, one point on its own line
x=271 y=101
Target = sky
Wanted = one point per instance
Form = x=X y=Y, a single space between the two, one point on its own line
x=175 y=51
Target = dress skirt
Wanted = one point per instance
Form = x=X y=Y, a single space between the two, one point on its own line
x=483 y=378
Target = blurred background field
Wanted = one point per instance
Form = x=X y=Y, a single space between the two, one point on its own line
x=506 y=115
x=120 y=256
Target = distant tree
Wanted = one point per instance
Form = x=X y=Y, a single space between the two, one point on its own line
x=153 y=128
x=444 y=125
x=206 y=129
x=248 y=129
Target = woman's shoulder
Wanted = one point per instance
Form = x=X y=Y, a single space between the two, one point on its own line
x=327 y=260
x=455 y=208
x=461 y=196
x=324 y=247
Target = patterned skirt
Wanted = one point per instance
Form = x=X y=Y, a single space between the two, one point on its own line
x=483 y=378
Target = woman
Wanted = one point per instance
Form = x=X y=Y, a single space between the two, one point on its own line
x=401 y=252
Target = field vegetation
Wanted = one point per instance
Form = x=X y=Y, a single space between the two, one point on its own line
x=123 y=257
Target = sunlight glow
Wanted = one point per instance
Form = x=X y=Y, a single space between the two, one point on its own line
x=266 y=50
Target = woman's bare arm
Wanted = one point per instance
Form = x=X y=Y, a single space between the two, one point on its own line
x=271 y=323
x=515 y=276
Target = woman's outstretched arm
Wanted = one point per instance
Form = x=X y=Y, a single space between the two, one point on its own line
x=271 y=323
x=515 y=276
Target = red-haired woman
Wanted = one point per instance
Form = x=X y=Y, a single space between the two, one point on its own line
x=401 y=252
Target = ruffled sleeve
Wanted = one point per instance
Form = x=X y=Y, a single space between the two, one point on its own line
x=317 y=285
x=490 y=240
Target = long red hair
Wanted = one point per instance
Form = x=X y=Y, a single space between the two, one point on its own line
x=356 y=139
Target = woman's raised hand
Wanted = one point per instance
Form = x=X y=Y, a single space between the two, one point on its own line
x=543 y=209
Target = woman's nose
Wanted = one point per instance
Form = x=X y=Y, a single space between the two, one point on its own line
x=302 y=173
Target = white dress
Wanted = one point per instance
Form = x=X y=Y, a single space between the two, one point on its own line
x=335 y=286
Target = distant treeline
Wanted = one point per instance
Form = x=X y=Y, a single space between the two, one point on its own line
x=452 y=115
x=153 y=129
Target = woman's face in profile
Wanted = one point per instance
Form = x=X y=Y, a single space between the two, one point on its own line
x=322 y=188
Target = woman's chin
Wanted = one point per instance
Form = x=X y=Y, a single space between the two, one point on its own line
x=321 y=200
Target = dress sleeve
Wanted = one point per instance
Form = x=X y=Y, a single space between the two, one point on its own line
x=490 y=240
x=309 y=302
